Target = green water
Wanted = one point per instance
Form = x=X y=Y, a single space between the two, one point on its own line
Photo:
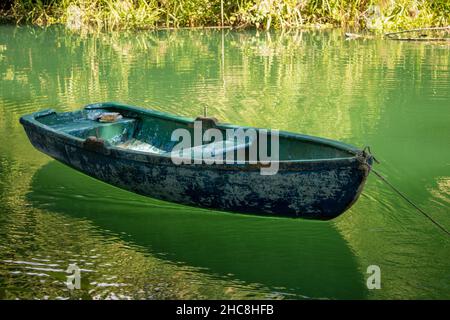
x=390 y=95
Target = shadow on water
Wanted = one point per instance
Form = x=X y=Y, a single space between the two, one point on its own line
x=295 y=257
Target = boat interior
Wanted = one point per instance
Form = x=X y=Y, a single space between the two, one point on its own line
x=148 y=133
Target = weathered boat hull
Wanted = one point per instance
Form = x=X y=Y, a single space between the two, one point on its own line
x=311 y=189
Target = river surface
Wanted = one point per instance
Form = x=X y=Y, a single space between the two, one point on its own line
x=392 y=96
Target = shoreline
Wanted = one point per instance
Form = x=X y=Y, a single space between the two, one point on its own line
x=109 y=15
x=354 y=35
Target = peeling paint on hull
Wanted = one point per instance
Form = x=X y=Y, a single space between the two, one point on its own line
x=317 y=192
x=315 y=189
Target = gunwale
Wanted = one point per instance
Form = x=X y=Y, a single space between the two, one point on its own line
x=31 y=120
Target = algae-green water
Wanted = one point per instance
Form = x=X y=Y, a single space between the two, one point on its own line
x=391 y=96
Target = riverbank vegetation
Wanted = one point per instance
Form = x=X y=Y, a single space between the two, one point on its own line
x=373 y=15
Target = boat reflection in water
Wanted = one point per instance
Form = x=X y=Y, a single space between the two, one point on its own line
x=295 y=258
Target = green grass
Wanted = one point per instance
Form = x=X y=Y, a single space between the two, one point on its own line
x=373 y=15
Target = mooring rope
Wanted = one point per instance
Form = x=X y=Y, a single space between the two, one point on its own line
x=409 y=201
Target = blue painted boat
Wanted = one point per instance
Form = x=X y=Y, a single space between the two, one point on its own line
x=132 y=148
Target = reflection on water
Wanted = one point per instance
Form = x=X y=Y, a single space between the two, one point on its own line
x=392 y=96
x=279 y=253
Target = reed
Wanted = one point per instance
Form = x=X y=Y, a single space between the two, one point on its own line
x=374 y=15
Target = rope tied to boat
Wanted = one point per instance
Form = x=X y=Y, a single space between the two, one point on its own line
x=379 y=175
x=366 y=152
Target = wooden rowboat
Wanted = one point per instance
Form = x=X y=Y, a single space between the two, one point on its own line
x=132 y=148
